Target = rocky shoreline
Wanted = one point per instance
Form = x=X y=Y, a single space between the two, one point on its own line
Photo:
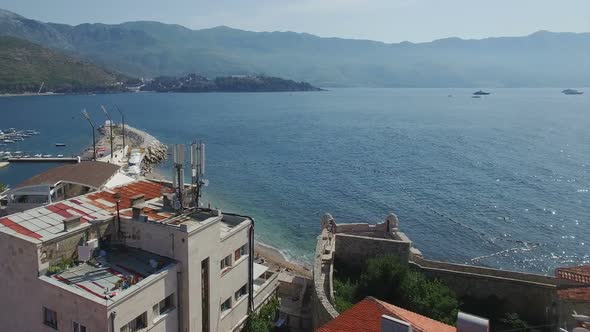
x=155 y=151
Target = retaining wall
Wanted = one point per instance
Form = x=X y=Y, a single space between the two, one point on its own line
x=355 y=249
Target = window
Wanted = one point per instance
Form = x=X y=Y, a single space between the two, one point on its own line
x=226 y=305
x=137 y=324
x=78 y=327
x=164 y=306
x=226 y=262
x=243 y=250
x=50 y=317
x=241 y=292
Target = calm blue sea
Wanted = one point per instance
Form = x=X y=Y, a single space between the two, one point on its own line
x=500 y=181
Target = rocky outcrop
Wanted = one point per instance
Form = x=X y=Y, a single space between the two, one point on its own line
x=155 y=153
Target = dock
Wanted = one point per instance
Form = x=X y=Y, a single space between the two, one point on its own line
x=45 y=160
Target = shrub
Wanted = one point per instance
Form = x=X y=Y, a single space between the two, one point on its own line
x=262 y=321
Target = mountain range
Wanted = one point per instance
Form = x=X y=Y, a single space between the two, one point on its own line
x=150 y=49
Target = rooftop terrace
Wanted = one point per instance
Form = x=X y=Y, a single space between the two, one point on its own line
x=114 y=273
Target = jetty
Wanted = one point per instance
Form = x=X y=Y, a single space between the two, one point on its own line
x=45 y=160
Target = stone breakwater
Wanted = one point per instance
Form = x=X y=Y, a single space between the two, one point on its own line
x=155 y=153
x=154 y=150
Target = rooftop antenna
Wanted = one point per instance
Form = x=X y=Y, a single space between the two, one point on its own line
x=178 y=175
x=198 y=170
x=87 y=116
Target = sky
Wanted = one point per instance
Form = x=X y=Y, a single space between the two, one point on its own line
x=383 y=20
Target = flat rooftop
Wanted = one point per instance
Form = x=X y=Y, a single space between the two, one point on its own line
x=111 y=276
x=47 y=222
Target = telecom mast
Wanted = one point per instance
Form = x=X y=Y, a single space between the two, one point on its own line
x=198 y=170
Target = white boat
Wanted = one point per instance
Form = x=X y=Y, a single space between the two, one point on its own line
x=38 y=155
x=47 y=156
x=9 y=141
x=18 y=152
x=60 y=155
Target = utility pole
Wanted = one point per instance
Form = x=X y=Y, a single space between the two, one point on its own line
x=87 y=116
x=110 y=125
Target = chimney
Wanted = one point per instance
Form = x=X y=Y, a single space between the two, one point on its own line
x=71 y=222
x=391 y=324
x=471 y=323
x=137 y=199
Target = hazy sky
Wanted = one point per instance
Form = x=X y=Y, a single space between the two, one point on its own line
x=385 y=20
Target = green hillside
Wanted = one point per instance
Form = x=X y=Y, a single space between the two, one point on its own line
x=24 y=66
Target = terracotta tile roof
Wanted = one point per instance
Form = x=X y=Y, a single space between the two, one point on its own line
x=581 y=294
x=365 y=316
x=91 y=173
x=576 y=273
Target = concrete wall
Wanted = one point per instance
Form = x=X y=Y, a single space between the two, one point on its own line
x=70 y=307
x=24 y=294
x=153 y=289
x=355 y=250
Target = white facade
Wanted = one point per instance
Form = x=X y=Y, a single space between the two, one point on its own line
x=187 y=291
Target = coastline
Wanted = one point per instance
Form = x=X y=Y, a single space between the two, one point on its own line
x=29 y=94
x=276 y=261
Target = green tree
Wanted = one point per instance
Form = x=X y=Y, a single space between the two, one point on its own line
x=430 y=298
x=382 y=278
x=2 y=187
x=262 y=321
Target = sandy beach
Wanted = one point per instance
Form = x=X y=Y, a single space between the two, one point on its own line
x=272 y=258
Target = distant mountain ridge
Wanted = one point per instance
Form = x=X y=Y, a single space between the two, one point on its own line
x=153 y=49
x=25 y=67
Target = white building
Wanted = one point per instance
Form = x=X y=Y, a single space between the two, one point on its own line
x=151 y=269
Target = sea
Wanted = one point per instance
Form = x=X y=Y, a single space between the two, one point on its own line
x=500 y=181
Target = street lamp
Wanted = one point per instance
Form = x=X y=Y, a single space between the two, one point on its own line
x=87 y=116
x=123 y=122
x=110 y=125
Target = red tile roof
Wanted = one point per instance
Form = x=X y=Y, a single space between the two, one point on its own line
x=365 y=316
x=576 y=273
x=581 y=294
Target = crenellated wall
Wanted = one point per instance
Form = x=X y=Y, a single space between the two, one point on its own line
x=532 y=296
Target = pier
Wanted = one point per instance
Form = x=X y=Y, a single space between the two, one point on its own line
x=45 y=160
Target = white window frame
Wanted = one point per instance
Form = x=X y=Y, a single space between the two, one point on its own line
x=226 y=262
x=77 y=327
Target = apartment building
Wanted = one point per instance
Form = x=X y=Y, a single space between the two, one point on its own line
x=126 y=260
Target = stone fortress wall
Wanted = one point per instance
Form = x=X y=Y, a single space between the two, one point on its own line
x=532 y=296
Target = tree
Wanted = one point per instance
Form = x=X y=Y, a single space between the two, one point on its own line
x=382 y=278
x=262 y=321
x=3 y=187
x=388 y=279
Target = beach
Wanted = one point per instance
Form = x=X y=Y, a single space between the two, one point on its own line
x=273 y=258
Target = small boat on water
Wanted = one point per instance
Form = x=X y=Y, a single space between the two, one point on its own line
x=38 y=155
x=47 y=156
x=60 y=155
x=8 y=141
x=60 y=144
x=572 y=92
x=480 y=93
